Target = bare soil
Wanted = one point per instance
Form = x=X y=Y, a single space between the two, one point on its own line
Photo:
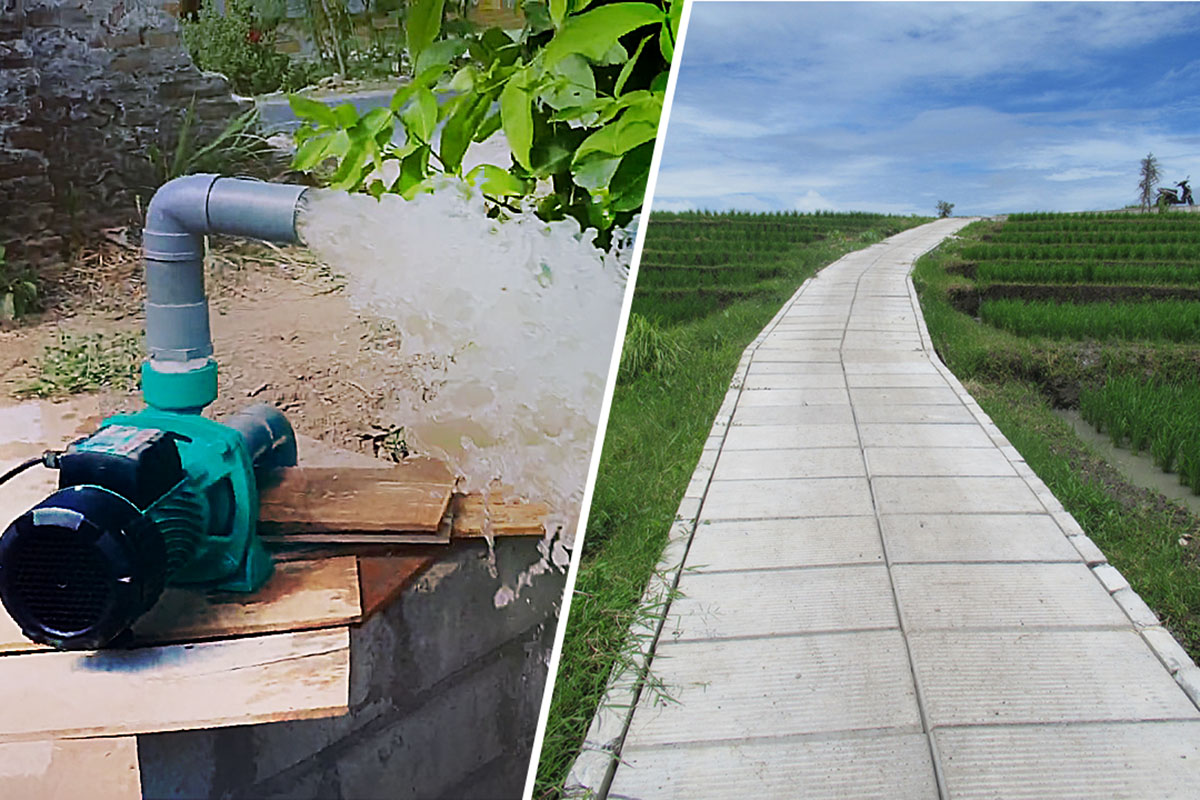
x=283 y=331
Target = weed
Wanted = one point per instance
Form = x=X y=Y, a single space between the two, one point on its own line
x=87 y=362
x=18 y=290
x=647 y=348
x=235 y=150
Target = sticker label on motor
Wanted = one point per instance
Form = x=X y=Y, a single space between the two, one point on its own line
x=119 y=440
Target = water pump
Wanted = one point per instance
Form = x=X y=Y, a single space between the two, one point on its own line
x=162 y=496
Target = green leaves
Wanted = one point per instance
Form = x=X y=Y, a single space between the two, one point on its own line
x=579 y=112
x=421 y=115
x=422 y=25
x=494 y=181
x=594 y=33
x=516 y=115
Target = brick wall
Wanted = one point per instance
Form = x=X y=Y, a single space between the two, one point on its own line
x=86 y=86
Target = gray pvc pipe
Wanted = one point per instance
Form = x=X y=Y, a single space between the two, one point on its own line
x=180 y=214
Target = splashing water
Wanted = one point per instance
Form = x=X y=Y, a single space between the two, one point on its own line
x=509 y=325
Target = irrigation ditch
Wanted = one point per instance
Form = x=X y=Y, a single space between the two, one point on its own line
x=1059 y=321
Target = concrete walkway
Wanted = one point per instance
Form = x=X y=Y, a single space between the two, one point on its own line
x=880 y=599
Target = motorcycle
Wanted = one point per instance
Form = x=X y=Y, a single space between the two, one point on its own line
x=1169 y=197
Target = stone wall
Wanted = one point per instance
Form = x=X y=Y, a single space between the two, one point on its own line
x=86 y=87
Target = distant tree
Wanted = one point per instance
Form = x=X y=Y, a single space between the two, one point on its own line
x=944 y=208
x=1150 y=176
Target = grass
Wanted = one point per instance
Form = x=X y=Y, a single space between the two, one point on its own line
x=86 y=362
x=1147 y=538
x=1172 y=320
x=684 y=342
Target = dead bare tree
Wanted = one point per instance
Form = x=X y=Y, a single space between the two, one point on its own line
x=1150 y=177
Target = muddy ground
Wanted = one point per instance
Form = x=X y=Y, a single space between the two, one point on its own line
x=283 y=331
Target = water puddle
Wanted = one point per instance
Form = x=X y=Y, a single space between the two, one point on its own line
x=1140 y=469
x=509 y=327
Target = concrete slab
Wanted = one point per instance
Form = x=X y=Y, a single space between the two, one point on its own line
x=794 y=368
x=793 y=397
x=776 y=687
x=974 y=537
x=720 y=605
x=756 y=380
x=965 y=461
x=794 y=415
x=899 y=355
x=869 y=413
x=924 y=436
x=884 y=767
x=804 y=353
x=885 y=367
x=1029 y=676
x=810 y=541
x=950 y=495
x=942 y=596
x=1072 y=762
x=785 y=499
x=933 y=396
x=919 y=380
x=779 y=437
x=815 y=462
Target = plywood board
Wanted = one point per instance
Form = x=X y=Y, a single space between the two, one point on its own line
x=410 y=497
x=67 y=769
x=301 y=595
x=260 y=679
x=508 y=518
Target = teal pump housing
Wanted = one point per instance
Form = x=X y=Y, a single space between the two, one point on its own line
x=162 y=496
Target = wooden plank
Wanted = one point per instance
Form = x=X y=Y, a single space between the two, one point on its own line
x=301 y=595
x=383 y=578
x=508 y=518
x=354 y=538
x=410 y=497
x=260 y=679
x=67 y=769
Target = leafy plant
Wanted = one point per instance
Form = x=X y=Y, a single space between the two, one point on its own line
x=240 y=44
x=578 y=94
x=944 y=209
x=18 y=289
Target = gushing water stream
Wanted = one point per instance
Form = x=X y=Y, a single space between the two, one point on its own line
x=509 y=326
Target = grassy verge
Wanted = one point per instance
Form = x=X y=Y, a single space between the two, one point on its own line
x=685 y=342
x=1154 y=543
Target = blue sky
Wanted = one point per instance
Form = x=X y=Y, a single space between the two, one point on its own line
x=890 y=107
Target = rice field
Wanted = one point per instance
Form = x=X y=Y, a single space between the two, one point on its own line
x=1160 y=418
x=1169 y=320
x=1145 y=391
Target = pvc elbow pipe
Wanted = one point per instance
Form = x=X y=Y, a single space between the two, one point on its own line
x=180 y=373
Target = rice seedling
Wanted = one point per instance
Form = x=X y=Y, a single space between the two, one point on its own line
x=1161 y=320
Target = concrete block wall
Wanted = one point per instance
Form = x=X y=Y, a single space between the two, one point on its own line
x=445 y=692
x=86 y=86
